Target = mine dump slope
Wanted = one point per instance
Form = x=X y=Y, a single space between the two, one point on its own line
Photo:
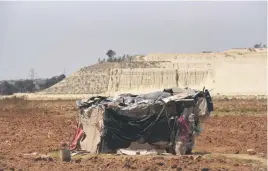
x=232 y=72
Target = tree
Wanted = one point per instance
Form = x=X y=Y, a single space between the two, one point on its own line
x=20 y=85
x=61 y=77
x=7 y=89
x=264 y=46
x=206 y=51
x=110 y=53
x=124 y=58
x=258 y=45
x=29 y=86
x=119 y=59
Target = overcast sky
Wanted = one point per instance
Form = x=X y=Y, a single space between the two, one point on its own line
x=51 y=36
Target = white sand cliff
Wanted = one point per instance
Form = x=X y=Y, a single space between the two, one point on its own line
x=233 y=72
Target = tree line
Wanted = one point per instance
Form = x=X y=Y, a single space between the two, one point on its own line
x=111 y=54
x=28 y=86
x=260 y=45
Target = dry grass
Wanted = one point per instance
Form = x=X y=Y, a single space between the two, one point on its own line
x=222 y=105
x=42 y=96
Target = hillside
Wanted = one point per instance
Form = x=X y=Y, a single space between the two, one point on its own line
x=232 y=72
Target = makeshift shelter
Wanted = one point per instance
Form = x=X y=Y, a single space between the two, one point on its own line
x=168 y=120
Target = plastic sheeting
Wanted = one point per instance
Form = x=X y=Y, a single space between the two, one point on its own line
x=111 y=123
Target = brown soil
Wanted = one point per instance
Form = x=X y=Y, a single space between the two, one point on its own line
x=41 y=126
x=234 y=134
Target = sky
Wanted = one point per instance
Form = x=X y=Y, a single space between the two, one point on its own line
x=53 y=37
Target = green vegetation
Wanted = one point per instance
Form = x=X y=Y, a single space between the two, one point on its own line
x=27 y=86
x=111 y=54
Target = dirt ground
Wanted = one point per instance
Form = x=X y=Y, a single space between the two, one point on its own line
x=41 y=126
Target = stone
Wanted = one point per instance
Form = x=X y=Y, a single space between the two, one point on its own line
x=30 y=154
x=47 y=158
x=197 y=157
x=158 y=158
x=251 y=151
x=236 y=152
x=37 y=158
x=44 y=158
x=205 y=169
x=160 y=163
x=78 y=160
x=173 y=166
x=179 y=169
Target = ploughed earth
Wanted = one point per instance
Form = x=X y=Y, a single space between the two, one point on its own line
x=29 y=129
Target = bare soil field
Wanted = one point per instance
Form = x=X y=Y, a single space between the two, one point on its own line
x=41 y=126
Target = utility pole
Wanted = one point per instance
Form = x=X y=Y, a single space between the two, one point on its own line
x=32 y=73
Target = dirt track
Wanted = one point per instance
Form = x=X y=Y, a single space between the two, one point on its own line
x=41 y=126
